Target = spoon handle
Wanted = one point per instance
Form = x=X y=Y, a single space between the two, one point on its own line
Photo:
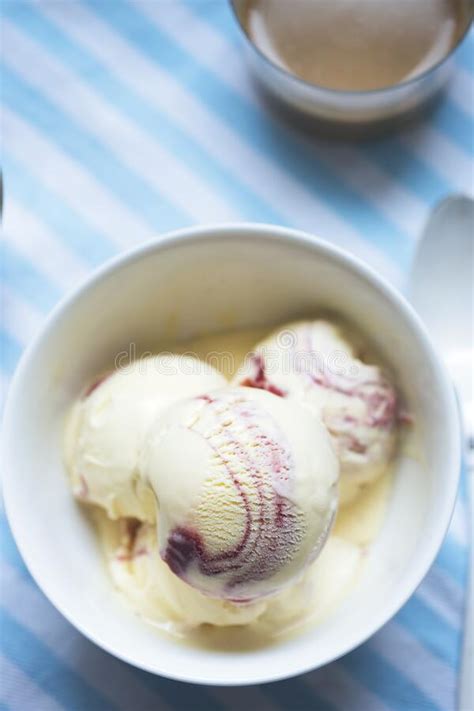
x=466 y=681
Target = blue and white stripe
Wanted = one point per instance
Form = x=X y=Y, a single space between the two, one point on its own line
x=127 y=118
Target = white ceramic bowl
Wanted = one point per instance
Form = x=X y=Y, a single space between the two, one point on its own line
x=195 y=281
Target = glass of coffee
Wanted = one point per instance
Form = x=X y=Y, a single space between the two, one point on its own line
x=353 y=61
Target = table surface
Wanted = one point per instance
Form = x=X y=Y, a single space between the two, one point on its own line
x=125 y=119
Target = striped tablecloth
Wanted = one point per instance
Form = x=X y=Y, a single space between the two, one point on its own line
x=124 y=119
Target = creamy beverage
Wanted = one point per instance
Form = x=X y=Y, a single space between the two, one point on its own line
x=355 y=45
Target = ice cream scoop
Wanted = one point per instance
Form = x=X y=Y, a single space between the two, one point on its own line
x=106 y=428
x=246 y=484
x=155 y=591
x=160 y=597
x=311 y=362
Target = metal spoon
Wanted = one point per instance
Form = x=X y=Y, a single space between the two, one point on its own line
x=441 y=290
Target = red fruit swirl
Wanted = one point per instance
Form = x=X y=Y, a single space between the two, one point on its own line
x=368 y=384
x=250 y=451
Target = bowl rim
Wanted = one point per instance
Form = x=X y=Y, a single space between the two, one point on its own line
x=279 y=235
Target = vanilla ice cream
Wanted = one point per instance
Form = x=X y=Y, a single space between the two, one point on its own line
x=106 y=428
x=164 y=600
x=215 y=503
x=154 y=590
x=246 y=484
x=311 y=362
